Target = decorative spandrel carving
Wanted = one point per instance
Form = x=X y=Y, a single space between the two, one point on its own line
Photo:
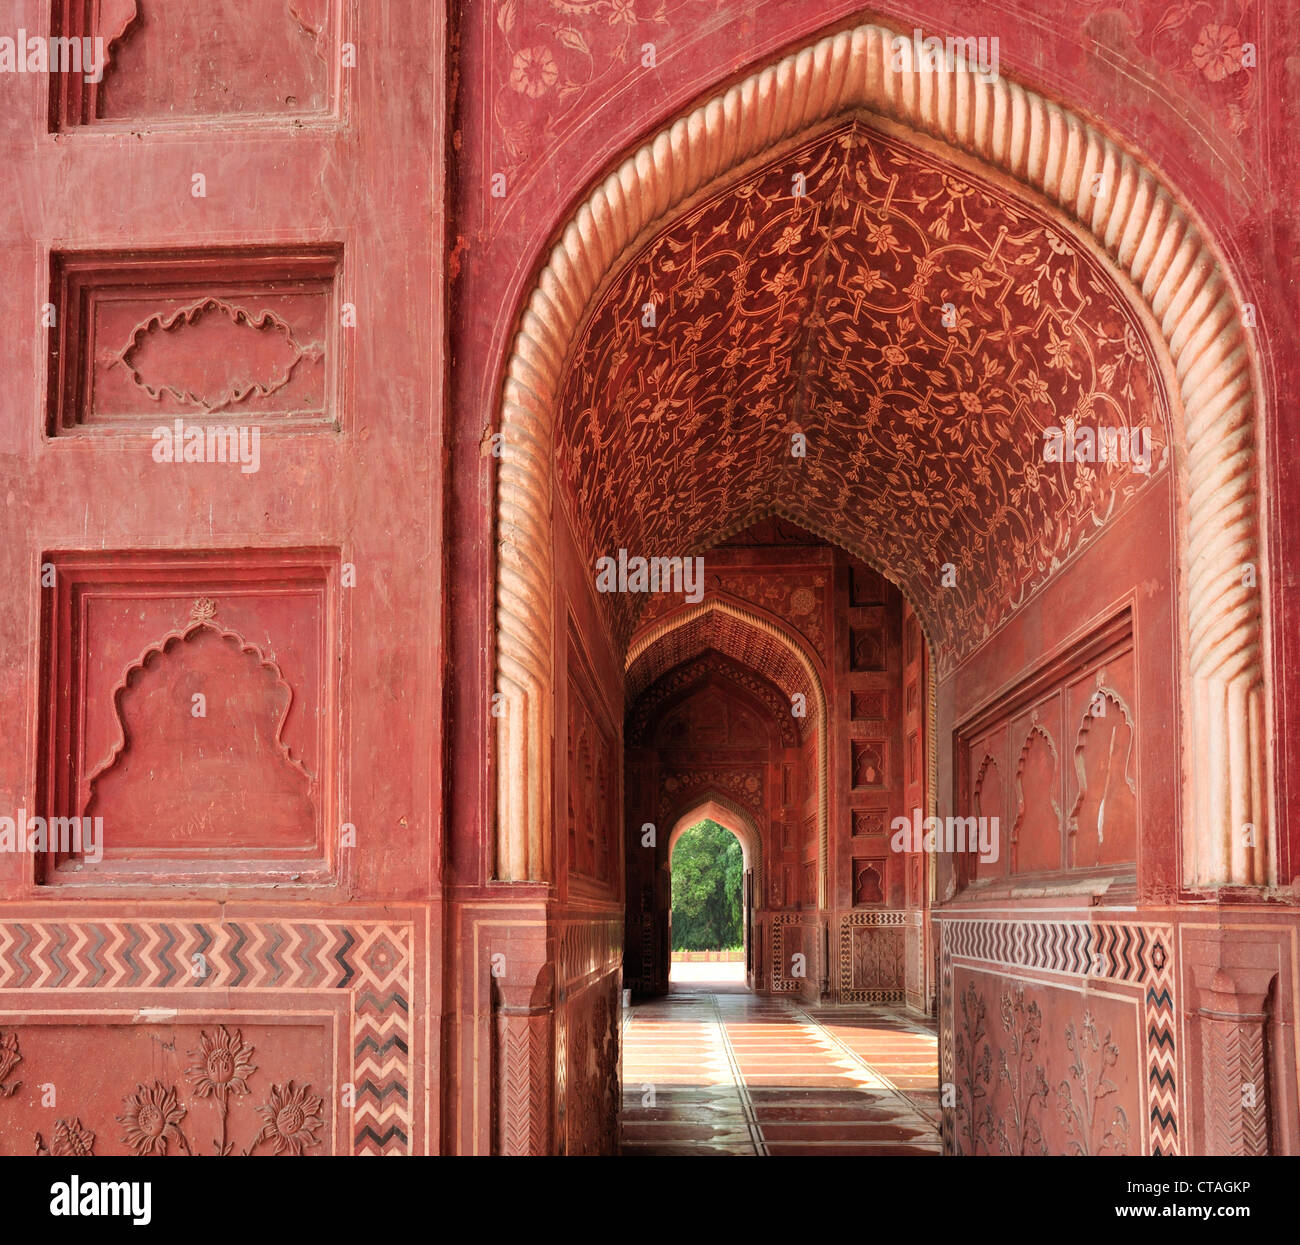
x=797 y=598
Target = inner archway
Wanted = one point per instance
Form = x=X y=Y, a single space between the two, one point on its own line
x=797 y=653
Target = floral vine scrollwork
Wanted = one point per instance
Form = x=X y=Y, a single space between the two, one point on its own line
x=976 y=1064
x=1080 y=1120
x=1023 y=1023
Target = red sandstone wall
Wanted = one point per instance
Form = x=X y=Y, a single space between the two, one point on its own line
x=587 y=918
x=193 y=229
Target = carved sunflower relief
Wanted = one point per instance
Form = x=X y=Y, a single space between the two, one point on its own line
x=206 y=1092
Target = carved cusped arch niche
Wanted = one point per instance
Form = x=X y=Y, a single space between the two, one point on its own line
x=189 y=705
x=198 y=708
x=1082 y=267
x=1036 y=841
x=1103 y=819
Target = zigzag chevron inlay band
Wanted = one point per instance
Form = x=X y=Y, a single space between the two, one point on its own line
x=371 y=960
x=1114 y=951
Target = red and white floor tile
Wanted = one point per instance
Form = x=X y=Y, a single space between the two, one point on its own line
x=716 y=1070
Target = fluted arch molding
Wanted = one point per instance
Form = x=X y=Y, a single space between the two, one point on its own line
x=1135 y=220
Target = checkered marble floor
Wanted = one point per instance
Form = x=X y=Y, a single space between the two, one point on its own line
x=723 y=1071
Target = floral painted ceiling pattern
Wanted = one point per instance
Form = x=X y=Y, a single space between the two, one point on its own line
x=918 y=327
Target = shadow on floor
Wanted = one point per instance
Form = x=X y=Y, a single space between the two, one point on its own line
x=713 y=1069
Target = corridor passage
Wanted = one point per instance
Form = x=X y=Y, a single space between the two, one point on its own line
x=714 y=1069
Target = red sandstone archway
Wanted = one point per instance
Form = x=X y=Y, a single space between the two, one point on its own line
x=716 y=807
x=722 y=657
x=614 y=437
x=1102 y=197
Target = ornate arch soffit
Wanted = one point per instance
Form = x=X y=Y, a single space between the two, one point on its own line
x=643 y=643
x=1133 y=217
x=667 y=692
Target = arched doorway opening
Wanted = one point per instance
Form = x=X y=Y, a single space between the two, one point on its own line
x=723 y=699
x=723 y=814
x=797 y=653
x=934 y=282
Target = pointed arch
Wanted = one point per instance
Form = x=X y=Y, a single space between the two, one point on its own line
x=1036 y=732
x=1137 y=221
x=792 y=668
x=727 y=813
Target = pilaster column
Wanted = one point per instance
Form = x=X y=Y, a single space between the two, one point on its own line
x=1232 y=1015
x=523 y=1058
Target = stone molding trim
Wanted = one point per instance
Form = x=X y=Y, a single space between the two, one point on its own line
x=1132 y=216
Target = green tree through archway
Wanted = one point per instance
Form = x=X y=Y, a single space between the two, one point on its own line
x=707 y=869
